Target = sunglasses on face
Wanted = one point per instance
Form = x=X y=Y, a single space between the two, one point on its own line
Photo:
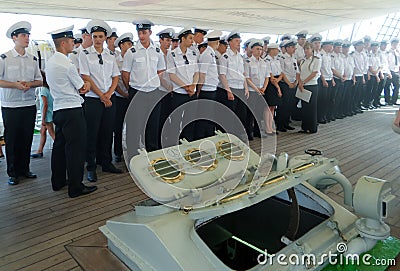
x=100 y=59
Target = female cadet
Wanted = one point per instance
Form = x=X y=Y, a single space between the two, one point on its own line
x=309 y=69
x=273 y=92
x=257 y=75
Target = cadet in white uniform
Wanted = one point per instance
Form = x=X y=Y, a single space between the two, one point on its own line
x=338 y=75
x=86 y=43
x=374 y=68
x=98 y=66
x=394 y=64
x=111 y=42
x=265 y=47
x=198 y=38
x=359 y=64
x=68 y=155
x=257 y=76
x=141 y=73
x=166 y=86
x=19 y=75
x=233 y=79
x=301 y=40
x=348 y=96
x=77 y=40
x=326 y=92
x=208 y=82
x=385 y=74
x=288 y=87
x=124 y=42
x=184 y=73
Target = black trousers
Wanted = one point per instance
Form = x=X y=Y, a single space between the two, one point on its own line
x=144 y=126
x=395 y=82
x=309 y=110
x=121 y=105
x=358 y=92
x=69 y=149
x=165 y=119
x=338 y=103
x=19 y=123
x=372 y=87
x=206 y=128
x=100 y=126
x=380 y=88
x=348 y=97
x=323 y=100
x=284 y=111
x=182 y=119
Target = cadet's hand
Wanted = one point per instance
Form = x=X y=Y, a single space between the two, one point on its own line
x=324 y=83
x=279 y=92
x=230 y=95
x=246 y=93
x=261 y=91
x=85 y=89
x=333 y=83
x=21 y=86
x=107 y=102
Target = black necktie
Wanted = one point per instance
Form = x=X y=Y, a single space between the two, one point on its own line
x=395 y=59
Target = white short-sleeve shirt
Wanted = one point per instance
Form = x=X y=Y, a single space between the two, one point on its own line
x=143 y=64
x=15 y=67
x=208 y=66
x=101 y=74
x=257 y=70
x=232 y=66
x=183 y=65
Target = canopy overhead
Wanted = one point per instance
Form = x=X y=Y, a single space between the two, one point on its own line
x=256 y=16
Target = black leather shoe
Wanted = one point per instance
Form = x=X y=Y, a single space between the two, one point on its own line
x=118 y=158
x=92 y=176
x=85 y=190
x=288 y=127
x=59 y=186
x=281 y=129
x=13 y=181
x=30 y=175
x=37 y=155
x=111 y=169
x=322 y=121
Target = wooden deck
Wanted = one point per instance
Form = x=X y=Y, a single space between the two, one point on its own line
x=45 y=230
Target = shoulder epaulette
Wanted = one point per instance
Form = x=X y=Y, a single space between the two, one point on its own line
x=3 y=56
x=248 y=61
x=332 y=56
x=85 y=51
x=74 y=52
x=267 y=59
x=173 y=54
x=34 y=58
x=157 y=49
x=316 y=57
x=112 y=53
x=133 y=50
x=226 y=56
x=282 y=57
x=216 y=57
x=194 y=53
x=352 y=53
